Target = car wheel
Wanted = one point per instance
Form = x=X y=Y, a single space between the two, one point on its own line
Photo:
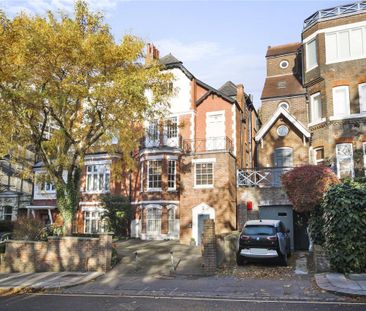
x=284 y=260
x=239 y=259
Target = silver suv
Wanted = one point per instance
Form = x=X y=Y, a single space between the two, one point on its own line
x=263 y=238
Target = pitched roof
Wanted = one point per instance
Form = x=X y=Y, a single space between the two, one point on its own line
x=281 y=111
x=280 y=86
x=229 y=88
x=283 y=49
x=169 y=59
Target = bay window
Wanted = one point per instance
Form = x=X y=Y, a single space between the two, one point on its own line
x=154 y=174
x=97 y=178
x=153 y=220
x=171 y=175
x=93 y=222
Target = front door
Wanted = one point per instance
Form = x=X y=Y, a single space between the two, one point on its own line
x=300 y=231
x=215 y=131
x=201 y=219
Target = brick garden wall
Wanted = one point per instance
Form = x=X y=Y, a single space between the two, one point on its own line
x=58 y=254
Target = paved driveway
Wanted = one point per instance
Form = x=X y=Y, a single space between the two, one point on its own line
x=154 y=258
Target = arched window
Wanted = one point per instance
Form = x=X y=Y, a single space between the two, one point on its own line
x=171 y=218
x=153 y=220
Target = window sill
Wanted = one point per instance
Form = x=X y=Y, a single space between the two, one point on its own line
x=96 y=192
x=154 y=190
x=204 y=187
x=349 y=116
x=320 y=121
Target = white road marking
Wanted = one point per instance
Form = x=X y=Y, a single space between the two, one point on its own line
x=203 y=298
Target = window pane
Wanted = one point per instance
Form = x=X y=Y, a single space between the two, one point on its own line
x=344 y=154
x=341 y=100
x=362 y=96
x=343 y=45
x=356 y=42
x=331 y=47
x=316 y=107
x=311 y=54
x=172 y=128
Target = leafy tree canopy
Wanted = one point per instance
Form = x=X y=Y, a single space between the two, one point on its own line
x=306 y=185
x=67 y=76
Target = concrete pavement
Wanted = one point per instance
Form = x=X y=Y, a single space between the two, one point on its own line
x=14 y=282
x=352 y=284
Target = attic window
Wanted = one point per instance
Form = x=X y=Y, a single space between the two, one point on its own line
x=282 y=84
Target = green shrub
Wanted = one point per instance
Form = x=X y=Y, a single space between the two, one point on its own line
x=345 y=226
x=30 y=229
x=316 y=225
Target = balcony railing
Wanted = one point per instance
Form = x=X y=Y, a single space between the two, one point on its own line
x=161 y=141
x=262 y=177
x=334 y=12
x=213 y=144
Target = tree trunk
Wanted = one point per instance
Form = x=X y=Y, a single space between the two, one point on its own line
x=67 y=200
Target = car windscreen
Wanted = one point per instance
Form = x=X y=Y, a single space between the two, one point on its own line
x=259 y=230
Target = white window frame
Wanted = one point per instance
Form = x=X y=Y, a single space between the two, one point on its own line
x=338 y=158
x=148 y=175
x=171 y=220
x=315 y=119
x=153 y=223
x=283 y=103
x=47 y=187
x=204 y=161
x=92 y=184
x=347 y=103
x=308 y=67
x=318 y=161
x=93 y=215
x=142 y=177
x=362 y=97
x=174 y=180
x=3 y=213
x=337 y=33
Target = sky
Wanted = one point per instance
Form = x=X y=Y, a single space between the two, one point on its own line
x=216 y=40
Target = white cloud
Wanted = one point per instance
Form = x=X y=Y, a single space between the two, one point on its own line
x=13 y=7
x=188 y=52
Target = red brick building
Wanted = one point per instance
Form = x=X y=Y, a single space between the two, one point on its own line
x=186 y=165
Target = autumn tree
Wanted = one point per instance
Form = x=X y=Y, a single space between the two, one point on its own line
x=68 y=89
x=305 y=187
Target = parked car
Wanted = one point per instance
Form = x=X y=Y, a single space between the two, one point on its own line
x=5 y=236
x=262 y=239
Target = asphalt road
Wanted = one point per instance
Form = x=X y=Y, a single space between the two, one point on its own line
x=98 y=303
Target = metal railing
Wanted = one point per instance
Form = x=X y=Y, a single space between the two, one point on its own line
x=261 y=177
x=161 y=141
x=334 y=12
x=204 y=145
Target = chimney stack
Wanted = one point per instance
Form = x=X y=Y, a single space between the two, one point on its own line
x=240 y=95
x=152 y=53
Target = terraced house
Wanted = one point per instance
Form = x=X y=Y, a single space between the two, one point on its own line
x=188 y=161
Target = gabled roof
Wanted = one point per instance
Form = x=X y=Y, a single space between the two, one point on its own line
x=288 y=48
x=211 y=90
x=170 y=61
x=280 y=86
x=281 y=111
x=229 y=89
